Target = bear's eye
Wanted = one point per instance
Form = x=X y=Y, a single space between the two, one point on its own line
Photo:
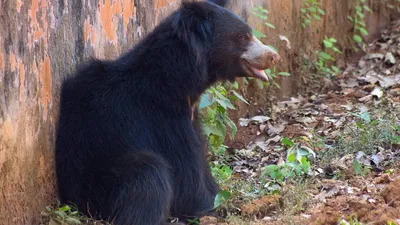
x=243 y=37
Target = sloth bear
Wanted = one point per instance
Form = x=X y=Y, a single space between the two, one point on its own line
x=128 y=149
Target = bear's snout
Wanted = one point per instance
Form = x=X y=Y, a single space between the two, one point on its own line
x=273 y=57
x=259 y=57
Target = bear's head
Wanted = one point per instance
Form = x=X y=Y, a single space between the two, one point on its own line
x=222 y=41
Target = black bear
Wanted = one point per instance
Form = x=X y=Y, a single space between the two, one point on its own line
x=128 y=149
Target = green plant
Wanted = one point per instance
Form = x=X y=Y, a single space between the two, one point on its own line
x=214 y=106
x=352 y=221
x=297 y=164
x=323 y=64
x=366 y=134
x=295 y=199
x=221 y=173
x=195 y=221
x=360 y=169
x=311 y=11
x=369 y=133
x=262 y=14
x=359 y=25
x=221 y=198
x=57 y=214
x=272 y=74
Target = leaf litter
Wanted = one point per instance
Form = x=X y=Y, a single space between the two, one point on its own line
x=364 y=93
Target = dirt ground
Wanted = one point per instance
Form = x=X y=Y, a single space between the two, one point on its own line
x=350 y=124
x=376 y=202
x=368 y=87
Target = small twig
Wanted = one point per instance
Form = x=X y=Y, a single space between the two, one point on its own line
x=385 y=205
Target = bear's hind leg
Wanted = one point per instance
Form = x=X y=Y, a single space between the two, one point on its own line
x=132 y=189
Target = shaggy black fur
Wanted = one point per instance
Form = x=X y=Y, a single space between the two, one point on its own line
x=127 y=149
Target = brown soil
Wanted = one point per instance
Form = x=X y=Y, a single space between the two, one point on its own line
x=243 y=136
x=382 y=206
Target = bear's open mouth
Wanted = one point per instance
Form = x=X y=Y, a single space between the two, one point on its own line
x=255 y=72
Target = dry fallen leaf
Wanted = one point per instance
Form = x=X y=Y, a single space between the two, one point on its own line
x=259 y=119
x=284 y=38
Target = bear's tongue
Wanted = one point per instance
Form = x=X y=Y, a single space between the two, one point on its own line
x=260 y=74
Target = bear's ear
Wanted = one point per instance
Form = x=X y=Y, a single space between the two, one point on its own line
x=219 y=2
x=193 y=24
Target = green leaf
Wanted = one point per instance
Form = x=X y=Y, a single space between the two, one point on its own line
x=336 y=50
x=273 y=171
x=350 y=18
x=62 y=214
x=206 y=100
x=270 y=25
x=304 y=161
x=363 y=31
x=374 y=122
x=223 y=101
x=276 y=85
x=291 y=157
x=221 y=197
x=240 y=97
x=325 y=56
x=316 y=17
x=273 y=48
x=208 y=130
x=286 y=74
x=361 y=15
x=312 y=9
x=260 y=84
x=335 y=69
x=269 y=170
x=268 y=71
x=287 y=142
x=357 y=167
x=258 y=34
x=358 y=8
x=395 y=139
x=328 y=44
x=306 y=151
x=366 y=117
x=235 y=85
x=322 y=12
x=367 y=8
x=362 y=23
x=65 y=208
x=232 y=125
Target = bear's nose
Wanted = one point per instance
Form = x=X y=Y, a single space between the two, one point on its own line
x=276 y=58
x=260 y=56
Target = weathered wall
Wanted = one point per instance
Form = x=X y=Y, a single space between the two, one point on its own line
x=41 y=42
x=286 y=16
